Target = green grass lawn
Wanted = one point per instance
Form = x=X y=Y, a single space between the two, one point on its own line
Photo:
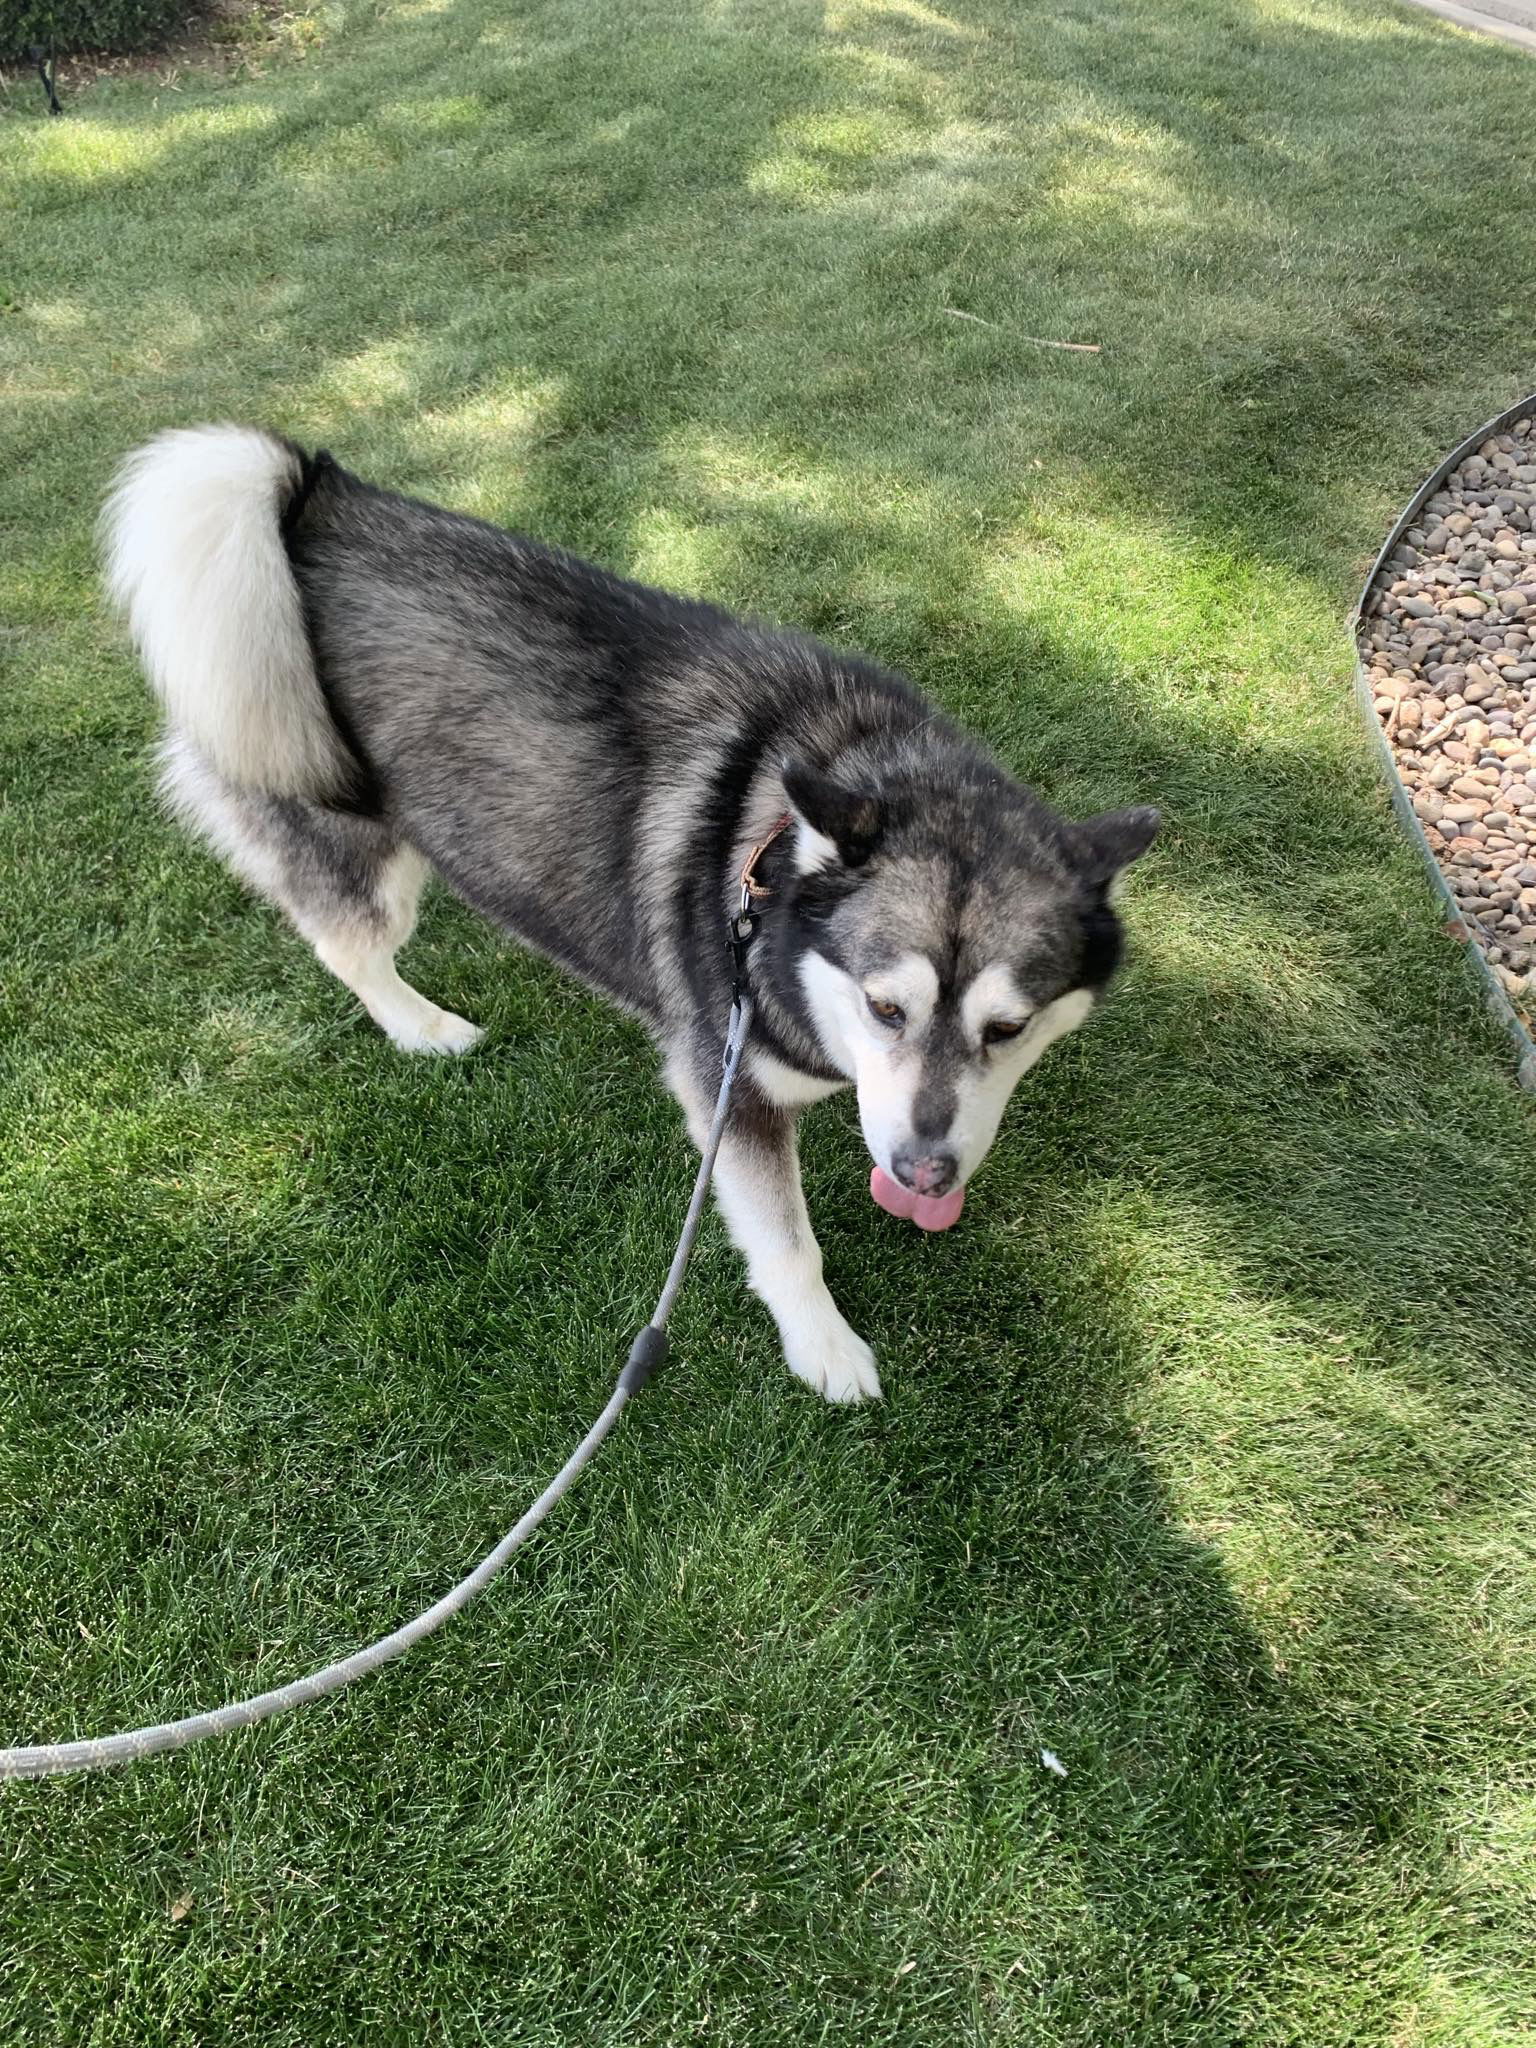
x=1209 y=1460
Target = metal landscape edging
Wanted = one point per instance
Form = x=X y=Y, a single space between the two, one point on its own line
x=1494 y=993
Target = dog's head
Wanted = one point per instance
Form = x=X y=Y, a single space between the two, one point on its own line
x=949 y=931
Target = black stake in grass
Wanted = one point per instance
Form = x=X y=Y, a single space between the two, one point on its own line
x=47 y=71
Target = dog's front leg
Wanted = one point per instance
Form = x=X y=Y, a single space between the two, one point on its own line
x=757 y=1185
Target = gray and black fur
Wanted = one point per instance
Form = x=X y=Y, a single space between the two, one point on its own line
x=360 y=687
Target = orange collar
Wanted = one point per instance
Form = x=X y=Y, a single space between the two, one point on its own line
x=752 y=890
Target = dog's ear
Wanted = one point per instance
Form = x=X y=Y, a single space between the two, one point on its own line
x=1111 y=841
x=850 y=820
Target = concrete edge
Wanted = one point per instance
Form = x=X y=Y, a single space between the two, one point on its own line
x=1488 y=24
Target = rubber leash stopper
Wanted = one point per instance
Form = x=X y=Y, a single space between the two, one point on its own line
x=648 y=1351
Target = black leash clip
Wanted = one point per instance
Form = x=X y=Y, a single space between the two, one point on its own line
x=741 y=930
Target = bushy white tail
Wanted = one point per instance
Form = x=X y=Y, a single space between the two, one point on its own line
x=195 y=559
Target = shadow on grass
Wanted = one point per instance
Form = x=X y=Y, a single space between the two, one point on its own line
x=750 y=1588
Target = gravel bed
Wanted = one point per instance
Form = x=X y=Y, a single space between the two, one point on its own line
x=1448 y=640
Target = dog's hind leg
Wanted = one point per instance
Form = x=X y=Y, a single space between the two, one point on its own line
x=757 y=1185
x=360 y=951
x=349 y=884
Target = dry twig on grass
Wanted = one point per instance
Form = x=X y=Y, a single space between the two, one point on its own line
x=1077 y=348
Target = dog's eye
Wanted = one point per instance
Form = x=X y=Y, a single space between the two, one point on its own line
x=995 y=1034
x=888 y=1013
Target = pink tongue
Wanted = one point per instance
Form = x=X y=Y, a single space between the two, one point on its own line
x=926 y=1211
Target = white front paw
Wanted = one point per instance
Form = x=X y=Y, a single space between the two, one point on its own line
x=832 y=1357
x=434 y=1030
x=450 y=1033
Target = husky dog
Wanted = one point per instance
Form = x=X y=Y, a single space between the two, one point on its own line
x=359 y=687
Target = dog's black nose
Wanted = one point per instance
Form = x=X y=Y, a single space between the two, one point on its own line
x=926 y=1173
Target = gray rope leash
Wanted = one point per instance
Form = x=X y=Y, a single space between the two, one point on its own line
x=646 y=1354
